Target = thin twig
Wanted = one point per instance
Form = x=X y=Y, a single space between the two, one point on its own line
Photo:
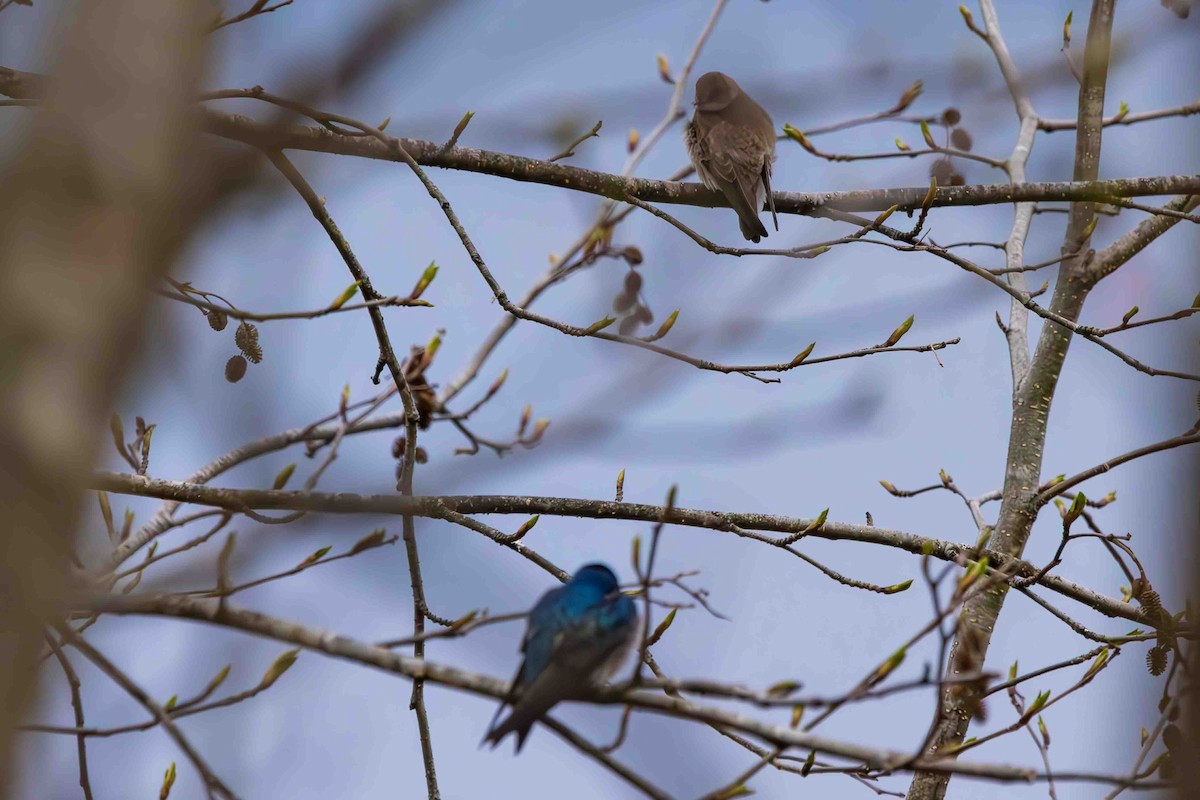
x=211 y=782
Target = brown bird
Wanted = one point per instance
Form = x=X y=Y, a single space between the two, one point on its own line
x=731 y=141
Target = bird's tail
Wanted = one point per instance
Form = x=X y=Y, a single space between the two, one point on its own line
x=553 y=685
x=519 y=721
x=745 y=195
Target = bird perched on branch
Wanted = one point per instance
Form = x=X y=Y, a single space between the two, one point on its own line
x=731 y=141
x=576 y=638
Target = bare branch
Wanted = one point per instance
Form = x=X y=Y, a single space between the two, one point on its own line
x=438 y=507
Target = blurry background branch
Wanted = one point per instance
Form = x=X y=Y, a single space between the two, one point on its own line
x=99 y=199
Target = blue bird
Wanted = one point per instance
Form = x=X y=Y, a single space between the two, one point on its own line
x=576 y=638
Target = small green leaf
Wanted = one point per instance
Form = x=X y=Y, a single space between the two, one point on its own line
x=927 y=135
x=1098 y=663
x=372 y=539
x=661 y=628
x=664 y=69
x=168 y=782
x=1077 y=507
x=901 y=146
x=432 y=347
x=911 y=93
x=465 y=619
x=898 y=587
x=462 y=125
x=899 y=332
x=106 y=512
x=426 y=278
x=1037 y=705
x=279 y=666
x=527 y=526
x=799 y=138
x=1129 y=315
x=495 y=387
x=665 y=328
x=783 y=689
x=170 y=704
x=883 y=217
x=218 y=680
x=887 y=667
x=808 y=764
x=817 y=523
x=803 y=354
x=598 y=326
x=344 y=297
x=283 y=477
x=315 y=557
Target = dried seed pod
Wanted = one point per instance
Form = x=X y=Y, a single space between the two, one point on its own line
x=246 y=338
x=941 y=170
x=956 y=179
x=217 y=320
x=1156 y=660
x=427 y=403
x=951 y=116
x=421 y=456
x=644 y=315
x=398 y=446
x=1150 y=600
x=1145 y=595
x=961 y=139
x=632 y=255
x=235 y=369
x=624 y=301
x=1172 y=737
x=633 y=282
x=628 y=326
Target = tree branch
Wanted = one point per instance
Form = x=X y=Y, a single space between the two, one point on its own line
x=380 y=658
x=447 y=506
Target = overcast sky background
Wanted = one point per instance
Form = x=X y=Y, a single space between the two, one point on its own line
x=822 y=438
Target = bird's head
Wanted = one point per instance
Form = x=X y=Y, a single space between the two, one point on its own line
x=715 y=91
x=597 y=576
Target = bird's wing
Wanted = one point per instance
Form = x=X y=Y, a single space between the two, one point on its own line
x=766 y=179
x=733 y=157
x=537 y=649
x=564 y=655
